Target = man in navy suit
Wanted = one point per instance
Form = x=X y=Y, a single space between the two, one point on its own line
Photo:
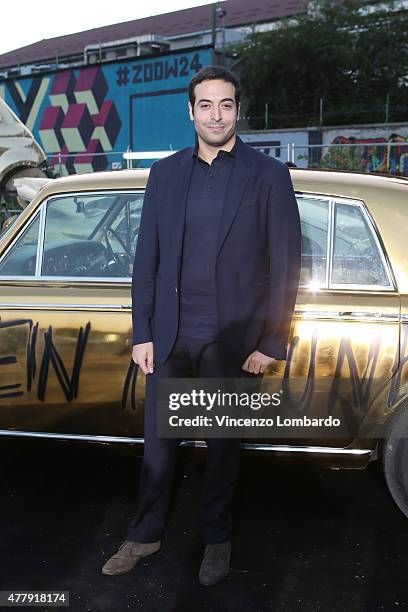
x=214 y=286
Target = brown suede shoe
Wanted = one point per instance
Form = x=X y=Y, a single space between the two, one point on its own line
x=215 y=564
x=128 y=554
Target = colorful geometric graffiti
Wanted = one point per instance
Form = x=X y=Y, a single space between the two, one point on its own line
x=84 y=118
x=379 y=154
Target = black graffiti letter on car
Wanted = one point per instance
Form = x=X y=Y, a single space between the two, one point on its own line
x=68 y=385
x=10 y=390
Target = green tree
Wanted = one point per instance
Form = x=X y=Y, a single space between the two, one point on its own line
x=351 y=57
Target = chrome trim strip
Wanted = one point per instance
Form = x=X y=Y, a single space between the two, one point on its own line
x=127 y=280
x=348 y=316
x=404 y=318
x=298 y=314
x=40 y=245
x=80 y=280
x=330 y=242
x=340 y=287
x=96 y=192
x=347 y=287
x=59 y=306
x=287 y=448
x=58 y=436
x=196 y=443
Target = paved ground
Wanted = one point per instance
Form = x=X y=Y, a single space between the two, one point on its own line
x=305 y=539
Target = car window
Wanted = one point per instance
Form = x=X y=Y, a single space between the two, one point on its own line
x=314 y=218
x=356 y=255
x=91 y=235
x=22 y=257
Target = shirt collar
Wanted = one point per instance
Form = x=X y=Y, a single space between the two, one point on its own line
x=228 y=154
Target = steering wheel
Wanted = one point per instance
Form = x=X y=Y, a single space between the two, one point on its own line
x=118 y=261
x=135 y=235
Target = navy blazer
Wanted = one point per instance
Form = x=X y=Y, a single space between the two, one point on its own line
x=258 y=255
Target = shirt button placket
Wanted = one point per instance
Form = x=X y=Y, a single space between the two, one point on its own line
x=211 y=175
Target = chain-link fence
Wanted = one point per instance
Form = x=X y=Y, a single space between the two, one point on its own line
x=389 y=158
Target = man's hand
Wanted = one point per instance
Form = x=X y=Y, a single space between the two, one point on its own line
x=142 y=355
x=256 y=363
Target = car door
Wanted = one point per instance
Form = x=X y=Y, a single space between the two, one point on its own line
x=65 y=329
x=345 y=343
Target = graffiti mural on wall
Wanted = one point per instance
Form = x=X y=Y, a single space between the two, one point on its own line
x=374 y=156
x=83 y=116
x=78 y=118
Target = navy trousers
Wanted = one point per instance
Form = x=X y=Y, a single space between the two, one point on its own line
x=196 y=358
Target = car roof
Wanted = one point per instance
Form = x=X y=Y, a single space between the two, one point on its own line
x=91 y=181
x=324 y=181
x=342 y=183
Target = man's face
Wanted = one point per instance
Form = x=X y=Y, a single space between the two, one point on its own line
x=215 y=112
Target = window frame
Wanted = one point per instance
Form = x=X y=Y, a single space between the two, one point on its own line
x=332 y=201
x=320 y=198
x=16 y=238
x=41 y=212
x=372 y=228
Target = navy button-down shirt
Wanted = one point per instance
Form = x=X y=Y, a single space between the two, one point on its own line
x=208 y=187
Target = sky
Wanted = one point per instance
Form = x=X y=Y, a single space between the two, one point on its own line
x=33 y=21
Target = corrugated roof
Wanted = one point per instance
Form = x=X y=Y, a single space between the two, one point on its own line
x=238 y=12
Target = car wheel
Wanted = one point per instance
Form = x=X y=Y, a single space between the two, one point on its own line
x=395 y=457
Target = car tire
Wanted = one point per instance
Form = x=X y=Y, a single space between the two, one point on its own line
x=395 y=457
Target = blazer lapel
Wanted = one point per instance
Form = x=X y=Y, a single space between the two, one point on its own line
x=180 y=193
x=236 y=187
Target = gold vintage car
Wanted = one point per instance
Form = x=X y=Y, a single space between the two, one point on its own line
x=65 y=329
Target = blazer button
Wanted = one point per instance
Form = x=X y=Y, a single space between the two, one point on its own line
x=176 y=289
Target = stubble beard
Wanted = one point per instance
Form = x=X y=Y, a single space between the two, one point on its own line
x=222 y=142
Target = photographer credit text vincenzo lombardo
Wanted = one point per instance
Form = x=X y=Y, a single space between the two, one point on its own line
x=254 y=401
